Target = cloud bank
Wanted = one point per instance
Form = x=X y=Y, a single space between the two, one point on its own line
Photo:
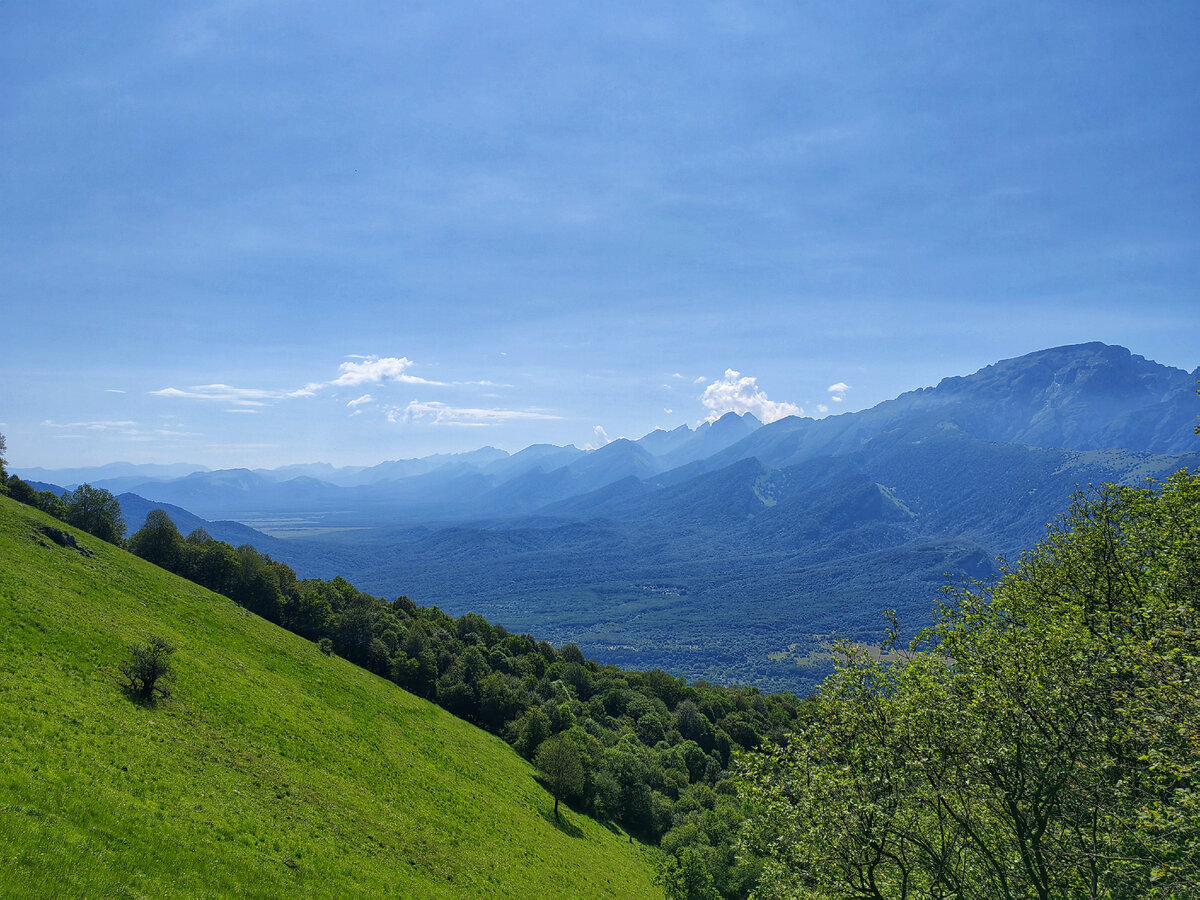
x=374 y=369
x=739 y=393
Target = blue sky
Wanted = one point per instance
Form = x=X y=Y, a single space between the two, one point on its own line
x=259 y=233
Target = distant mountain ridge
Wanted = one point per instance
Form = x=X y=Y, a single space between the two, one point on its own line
x=135 y=509
x=714 y=550
x=1079 y=397
x=483 y=483
x=140 y=472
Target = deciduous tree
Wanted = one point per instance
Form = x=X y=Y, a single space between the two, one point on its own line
x=559 y=761
x=97 y=512
x=159 y=541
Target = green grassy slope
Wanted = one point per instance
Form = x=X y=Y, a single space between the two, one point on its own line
x=273 y=771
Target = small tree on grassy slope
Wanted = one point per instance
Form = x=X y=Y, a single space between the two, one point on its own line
x=558 y=759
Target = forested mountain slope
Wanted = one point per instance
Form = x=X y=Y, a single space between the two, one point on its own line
x=742 y=574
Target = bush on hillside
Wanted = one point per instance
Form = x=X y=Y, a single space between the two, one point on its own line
x=148 y=669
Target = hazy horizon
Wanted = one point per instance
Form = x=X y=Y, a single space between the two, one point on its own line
x=197 y=467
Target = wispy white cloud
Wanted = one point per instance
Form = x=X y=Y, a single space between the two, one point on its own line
x=113 y=391
x=735 y=392
x=122 y=426
x=125 y=429
x=224 y=393
x=238 y=448
x=358 y=403
x=599 y=439
x=357 y=370
x=838 y=391
x=441 y=414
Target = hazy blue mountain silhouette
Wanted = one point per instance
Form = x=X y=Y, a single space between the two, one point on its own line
x=1080 y=397
x=733 y=549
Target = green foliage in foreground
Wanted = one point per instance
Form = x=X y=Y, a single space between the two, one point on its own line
x=273 y=770
x=1040 y=741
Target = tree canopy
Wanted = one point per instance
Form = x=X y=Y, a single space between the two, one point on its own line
x=158 y=541
x=1040 y=739
x=97 y=512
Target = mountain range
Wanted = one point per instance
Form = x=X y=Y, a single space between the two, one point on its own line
x=731 y=551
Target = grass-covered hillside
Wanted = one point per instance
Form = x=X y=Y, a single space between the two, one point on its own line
x=273 y=770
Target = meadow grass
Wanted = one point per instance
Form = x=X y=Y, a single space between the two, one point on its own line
x=273 y=770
